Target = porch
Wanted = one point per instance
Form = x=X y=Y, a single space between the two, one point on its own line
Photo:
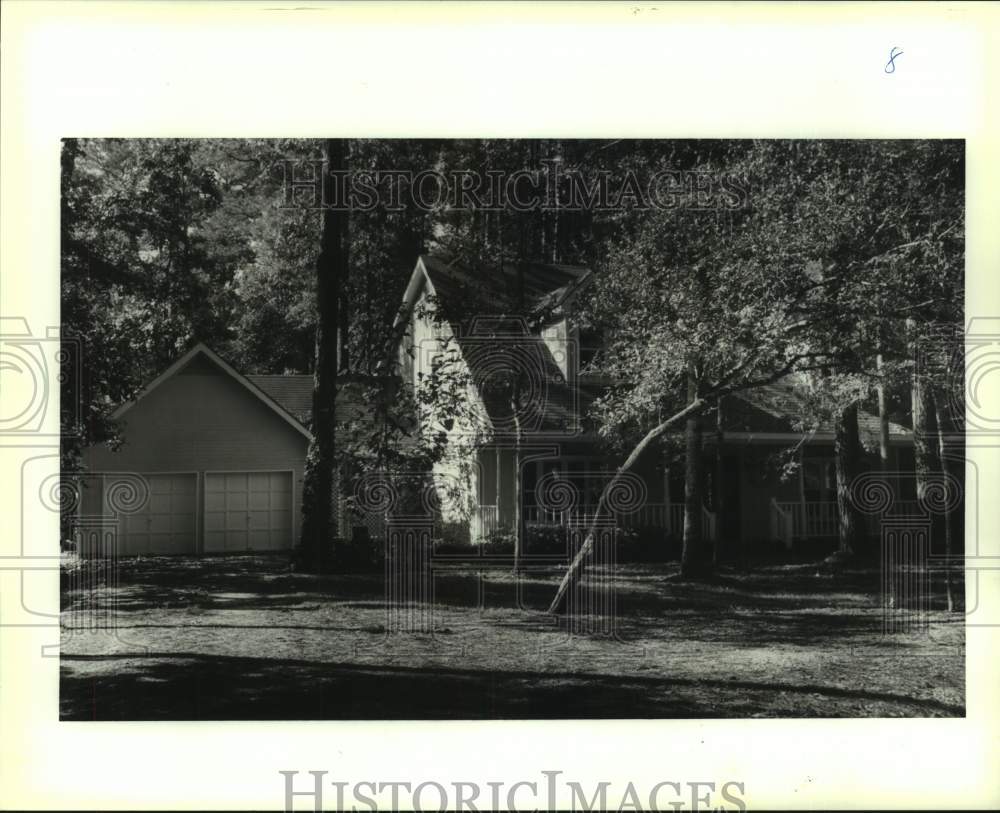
x=760 y=505
x=563 y=486
x=668 y=517
x=818 y=519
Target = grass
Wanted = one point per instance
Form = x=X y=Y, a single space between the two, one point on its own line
x=245 y=638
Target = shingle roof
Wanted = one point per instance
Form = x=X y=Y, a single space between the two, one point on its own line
x=546 y=403
x=784 y=408
x=494 y=335
x=294 y=394
x=495 y=290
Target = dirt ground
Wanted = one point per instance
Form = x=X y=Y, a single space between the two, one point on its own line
x=247 y=638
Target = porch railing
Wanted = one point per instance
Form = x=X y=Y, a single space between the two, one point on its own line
x=707 y=523
x=782 y=523
x=819 y=519
x=810 y=519
x=485 y=521
x=668 y=516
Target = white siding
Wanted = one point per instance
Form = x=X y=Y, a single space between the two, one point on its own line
x=459 y=468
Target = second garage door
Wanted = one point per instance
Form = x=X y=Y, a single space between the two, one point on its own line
x=248 y=511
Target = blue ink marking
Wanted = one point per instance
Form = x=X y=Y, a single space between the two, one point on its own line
x=890 y=66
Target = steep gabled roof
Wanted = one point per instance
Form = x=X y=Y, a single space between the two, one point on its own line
x=203 y=351
x=491 y=291
x=484 y=302
x=549 y=404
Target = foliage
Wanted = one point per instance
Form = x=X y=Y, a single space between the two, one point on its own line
x=839 y=242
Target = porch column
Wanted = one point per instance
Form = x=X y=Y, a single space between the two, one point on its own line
x=740 y=498
x=496 y=496
x=802 y=489
x=666 y=494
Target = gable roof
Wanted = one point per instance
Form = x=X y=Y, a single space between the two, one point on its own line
x=550 y=404
x=544 y=284
x=294 y=393
x=777 y=409
x=485 y=302
x=289 y=395
x=203 y=351
x=493 y=291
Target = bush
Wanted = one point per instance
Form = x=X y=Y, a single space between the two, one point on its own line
x=446 y=548
x=648 y=544
x=498 y=542
x=541 y=539
x=452 y=534
x=359 y=554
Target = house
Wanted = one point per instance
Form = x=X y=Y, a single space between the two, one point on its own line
x=760 y=432
x=516 y=378
x=521 y=453
x=210 y=461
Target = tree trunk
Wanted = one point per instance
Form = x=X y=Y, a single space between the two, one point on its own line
x=344 y=317
x=719 y=503
x=693 y=559
x=518 y=498
x=847 y=448
x=949 y=529
x=320 y=487
x=883 y=418
x=926 y=465
x=575 y=570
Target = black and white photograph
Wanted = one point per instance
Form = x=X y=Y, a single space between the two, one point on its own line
x=480 y=428
x=499 y=406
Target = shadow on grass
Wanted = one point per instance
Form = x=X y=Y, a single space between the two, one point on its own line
x=183 y=686
x=263 y=582
x=770 y=606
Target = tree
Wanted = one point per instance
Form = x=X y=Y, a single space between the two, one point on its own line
x=696 y=304
x=142 y=272
x=882 y=222
x=887 y=223
x=320 y=487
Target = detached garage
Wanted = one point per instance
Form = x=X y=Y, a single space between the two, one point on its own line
x=211 y=461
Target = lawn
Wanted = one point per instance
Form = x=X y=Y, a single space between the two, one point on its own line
x=246 y=638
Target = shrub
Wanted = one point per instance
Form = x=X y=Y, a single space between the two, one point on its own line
x=447 y=548
x=499 y=542
x=648 y=544
x=452 y=534
x=359 y=554
x=542 y=539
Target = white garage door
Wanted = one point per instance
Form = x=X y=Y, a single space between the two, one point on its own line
x=165 y=523
x=248 y=510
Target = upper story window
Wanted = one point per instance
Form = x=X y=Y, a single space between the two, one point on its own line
x=590 y=342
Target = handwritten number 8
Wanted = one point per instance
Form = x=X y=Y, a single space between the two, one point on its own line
x=890 y=66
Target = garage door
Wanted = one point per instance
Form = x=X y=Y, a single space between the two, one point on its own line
x=248 y=510
x=165 y=523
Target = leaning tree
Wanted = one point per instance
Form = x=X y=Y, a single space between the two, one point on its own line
x=699 y=303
